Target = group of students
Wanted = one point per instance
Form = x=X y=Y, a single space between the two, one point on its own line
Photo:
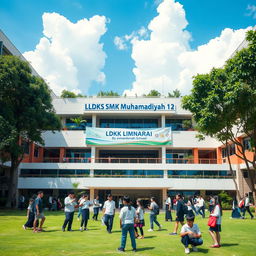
x=131 y=219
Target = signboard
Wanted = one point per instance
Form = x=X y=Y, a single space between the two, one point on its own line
x=129 y=107
x=118 y=136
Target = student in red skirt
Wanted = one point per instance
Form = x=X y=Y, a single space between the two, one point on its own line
x=139 y=223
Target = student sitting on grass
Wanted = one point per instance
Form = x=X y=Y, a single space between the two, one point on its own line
x=127 y=218
x=190 y=234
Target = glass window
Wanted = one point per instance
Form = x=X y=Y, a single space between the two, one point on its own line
x=247 y=143
x=129 y=173
x=25 y=146
x=71 y=125
x=36 y=151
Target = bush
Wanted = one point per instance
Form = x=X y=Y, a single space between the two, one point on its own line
x=226 y=200
x=226 y=206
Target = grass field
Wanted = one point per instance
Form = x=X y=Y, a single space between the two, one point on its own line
x=238 y=238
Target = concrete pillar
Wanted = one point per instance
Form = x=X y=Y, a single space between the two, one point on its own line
x=91 y=173
x=196 y=155
x=93 y=152
x=91 y=194
x=94 y=120
x=163 y=154
x=165 y=174
x=162 y=121
x=164 y=193
x=62 y=155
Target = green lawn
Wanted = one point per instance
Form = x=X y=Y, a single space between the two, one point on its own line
x=238 y=238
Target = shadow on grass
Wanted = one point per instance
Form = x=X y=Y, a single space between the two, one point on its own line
x=228 y=245
x=203 y=250
x=116 y=231
x=145 y=249
x=147 y=237
x=163 y=229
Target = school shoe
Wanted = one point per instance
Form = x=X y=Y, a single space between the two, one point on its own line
x=194 y=249
x=134 y=250
x=150 y=230
x=63 y=229
x=120 y=249
x=24 y=227
x=173 y=234
x=81 y=229
x=160 y=227
x=187 y=251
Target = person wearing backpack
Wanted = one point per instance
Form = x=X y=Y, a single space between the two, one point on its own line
x=179 y=214
x=154 y=211
x=247 y=206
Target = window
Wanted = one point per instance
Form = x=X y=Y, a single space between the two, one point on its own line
x=36 y=151
x=175 y=124
x=25 y=146
x=245 y=174
x=71 y=125
x=128 y=123
x=247 y=143
x=129 y=173
x=228 y=151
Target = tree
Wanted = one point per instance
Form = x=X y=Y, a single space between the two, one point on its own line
x=153 y=93
x=107 y=93
x=223 y=104
x=175 y=94
x=25 y=111
x=69 y=94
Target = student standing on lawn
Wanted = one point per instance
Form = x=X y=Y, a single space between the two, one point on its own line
x=179 y=214
x=201 y=208
x=30 y=214
x=190 y=234
x=215 y=231
x=96 y=207
x=139 y=223
x=70 y=203
x=85 y=206
x=247 y=206
x=168 y=209
x=109 y=213
x=154 y=211
x=38 y=211
x=127 y=217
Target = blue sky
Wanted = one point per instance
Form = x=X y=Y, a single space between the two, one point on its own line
x=22 y=23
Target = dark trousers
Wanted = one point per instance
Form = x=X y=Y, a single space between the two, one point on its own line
x=85 y=217
x=168 y=214
x=108 y=220
x=68 y=220
x=201 y=211
x=152 y=220
x=95 y=213
x=247 y=208
x=186 y=240
x=30 y=221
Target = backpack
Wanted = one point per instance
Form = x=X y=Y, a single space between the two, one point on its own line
x=156 y=209
x=241 y=204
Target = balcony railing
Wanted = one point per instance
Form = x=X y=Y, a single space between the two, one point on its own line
x=114 y=160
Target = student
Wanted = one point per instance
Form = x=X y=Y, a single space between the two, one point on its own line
x=70 y=203
x=247 y=206
x=201 y=209
x=215 y=231
x=30 y=214
x=190 y=207
x=109 y=213
x=38 y=211
x=50 y=199
x=190 y=234
x=79 y=209
x=236 y=214
x=127 y=217
x=179 y=214
x=154 y=211
x=96 y=207
x=85 y=206
x=168 y=212
x=140 y=222
x=211 y=206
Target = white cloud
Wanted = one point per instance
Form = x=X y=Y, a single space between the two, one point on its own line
x=70 y=55
x=165 y=61
x=252 y=11
x=120 y=43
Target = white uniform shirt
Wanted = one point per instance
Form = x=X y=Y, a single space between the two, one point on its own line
x=187 y=228
x=96 y=203
x=216 y=212
x=127 y=216
x=140 y=213
x=85 y=204
x=168 y=201
x=69 y=205
x=246 y=201
x=200 y=202
x=109 y=207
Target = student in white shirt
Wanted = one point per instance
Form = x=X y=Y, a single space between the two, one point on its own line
x=109 y=212
x=201 y=208
x=96 y=207
x=85 y=207
x=127 y=217
x=70 y=203
x=247 y=206
x=139 y=222
x=168 y=213
x=215 y=231
x=190 y=234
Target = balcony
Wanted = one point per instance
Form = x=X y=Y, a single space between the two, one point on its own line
x=129 y=160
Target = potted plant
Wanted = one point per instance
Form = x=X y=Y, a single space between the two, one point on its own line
x=78 y=122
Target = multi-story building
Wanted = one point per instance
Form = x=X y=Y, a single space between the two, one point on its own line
x=136 y=146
